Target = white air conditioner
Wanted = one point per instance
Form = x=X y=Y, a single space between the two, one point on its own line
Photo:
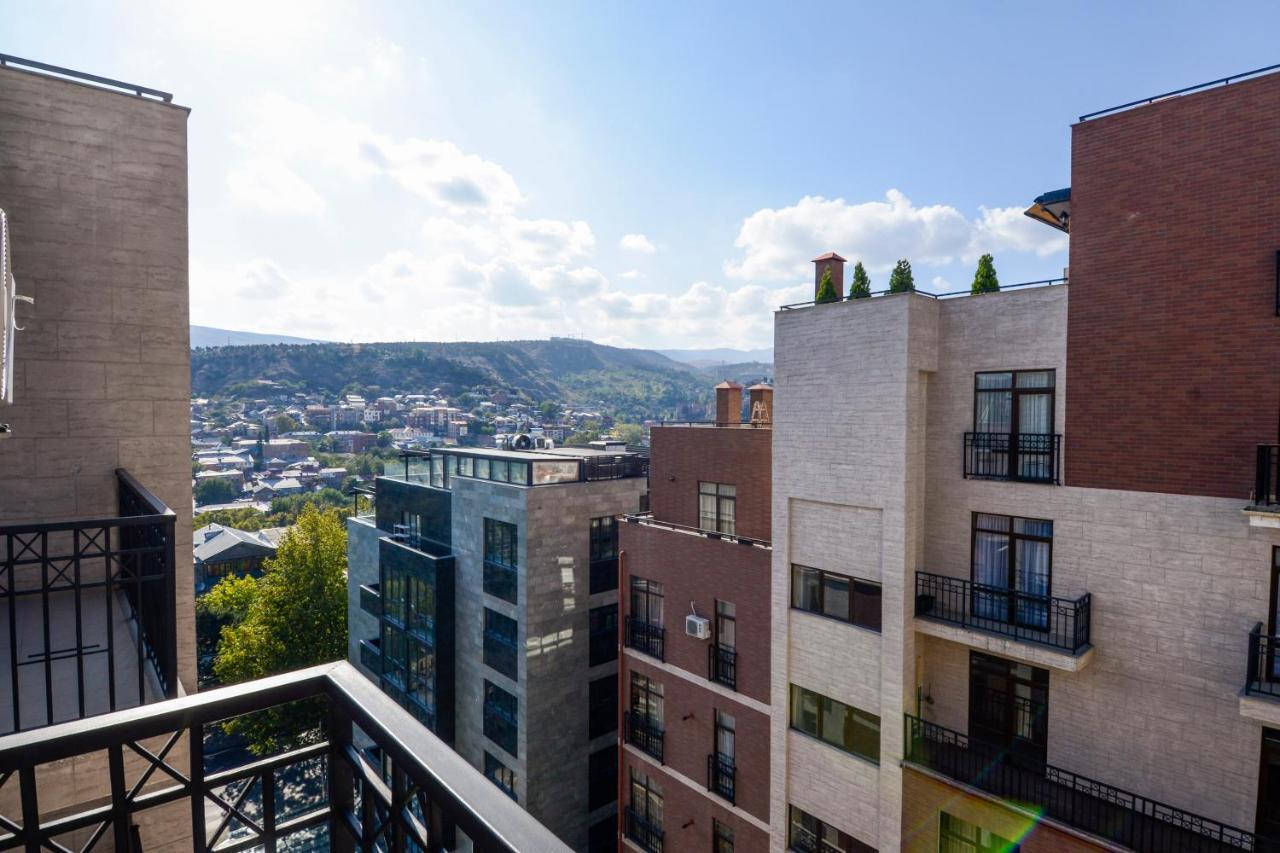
x=697 y=626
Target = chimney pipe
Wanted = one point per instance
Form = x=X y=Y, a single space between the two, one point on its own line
x=821 y=264
x=728 y=402
x=760 y=396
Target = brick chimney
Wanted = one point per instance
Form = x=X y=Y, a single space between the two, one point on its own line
x=833 y=262
x=728 y=402
x=760 y=397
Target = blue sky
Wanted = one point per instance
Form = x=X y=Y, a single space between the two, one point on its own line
x=651 y=174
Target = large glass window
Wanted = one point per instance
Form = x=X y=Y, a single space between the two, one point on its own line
x=501 y=643
x=721 y=837
x=1019 y=404
x=1012 y=569
x=500 y=774
x=958 y=836
x=837 y=596
x=646 y=601
x=717 y=507
x=646 y=699
x=501 y=717
x=500 y=556
x=646 y=798
x=843 y=726
x=602 y=777
x=604 y=554
x=808 y=834
x=603 y=643
x=603 y=713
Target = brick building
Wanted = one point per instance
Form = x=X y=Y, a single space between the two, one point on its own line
x=695 y=677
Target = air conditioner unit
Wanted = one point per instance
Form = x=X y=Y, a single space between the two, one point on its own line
x=697 y=626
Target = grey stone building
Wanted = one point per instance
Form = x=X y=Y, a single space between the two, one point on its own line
x=483 y=596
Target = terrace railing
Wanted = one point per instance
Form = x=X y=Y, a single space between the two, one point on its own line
x=1263 y=678
x=722 y=665
x=1022 y=457
x=1062 y=623
x=646 y=833
x=645 y=733
x=721 y=776
x=646 y=638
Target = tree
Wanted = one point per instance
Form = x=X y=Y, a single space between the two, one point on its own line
x=860 y=287
x=225 y=605
x=901 y=279
x=216 y=490
x=283 y=424
x=827 y=288
x=384 y=439
x=984 y=279
x=241 y=518
x=297 y=617
x=631 y=434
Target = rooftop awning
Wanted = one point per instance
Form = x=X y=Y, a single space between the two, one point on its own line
x=1053 y=209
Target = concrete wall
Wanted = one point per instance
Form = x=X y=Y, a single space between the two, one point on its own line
x=362 y=568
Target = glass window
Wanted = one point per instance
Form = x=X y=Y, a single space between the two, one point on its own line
x=842 y=726
x=721 y=837
x=501 y=717
x=646 y=601
x=482 y=468
x=837 y=596
x=498 y=470
x=603 y=635
x=500 y=555
x=646 y=698
x=604 y=538
x=717 y=507
x=602 y=777
x=518 y=473
x=501 y=643
x=958 y=836
x=1012 y=569
x=603 y=699
x=466 y=466
x=808 y=834
x=501 y=775
x=646 y=797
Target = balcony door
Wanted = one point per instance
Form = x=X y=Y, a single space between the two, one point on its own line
x=1009 y=709
x=1267 y=823
x=1019 y=404
x=1012 y=569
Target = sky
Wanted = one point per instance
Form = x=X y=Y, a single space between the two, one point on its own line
x=645 y=174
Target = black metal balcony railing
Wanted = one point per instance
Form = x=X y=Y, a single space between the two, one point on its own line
x=1266 y=484
x=1062 y=623
x=646 y=833
x=1086 y=804
x=325 y=795
x=646 y=637
x=371 y=655
x=1264 y=664
x=1024 y=457
x=721 y=775
x=614 y=467
x=92 y=603
x=644 y=733
x=722 y=665
x=371 y=599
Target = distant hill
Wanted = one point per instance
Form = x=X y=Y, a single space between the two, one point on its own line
x=208 y=336
x=748 y=373
x=629 y=383
x=709 y=357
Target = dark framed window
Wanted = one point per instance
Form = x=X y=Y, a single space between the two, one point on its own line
x=837 y=596
x=500 y=555
x=646 y=601
x=958 y=836
x=501 y=643
x=1012 y=569
x=721 y=837
x=603 y=641
x=500 y=774
x=501 y=717
x=646 y=798
x=646 y=698
x=726 y=636
x=843 y=726
x=602 y=716
x=1014 y=402
x=604 y=554
x=808 y=834
x=602 y=777
x=717 y=507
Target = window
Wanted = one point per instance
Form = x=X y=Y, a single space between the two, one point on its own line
x=1012 y=569
x=604 y=554
x=842 y=726
x=808 y=834
x=644 y=813
x=726 y=625
x=603 y=715
x=721 y=837
x=603 y=643
x=1013 y=423
x=721 y=769
x=500 y=555
x=646 y=601
x=501 y=775
x=501 y=717
x=501 y=643
x=958 y=836
x=837 y=596
x=644 y=721
x=717 y=507
x=602 y=777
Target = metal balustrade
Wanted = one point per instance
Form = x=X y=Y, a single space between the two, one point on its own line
x=1263 y=678
x=1021 y=457
x=646 y=637
x=644 y=733
x=646 y=833
x=1266 y=483
x=1062 y=623
x=721 y=776
x=722 y=665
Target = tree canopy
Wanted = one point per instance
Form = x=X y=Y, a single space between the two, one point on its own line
x=215 y=490
x=860 y=287
x=901 y=280
x=984 y=278
x=827 y=288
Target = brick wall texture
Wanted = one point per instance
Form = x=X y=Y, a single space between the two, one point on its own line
x=683 y=456
x=1175 y=224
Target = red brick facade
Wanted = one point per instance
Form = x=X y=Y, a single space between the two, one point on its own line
x=680 y=457
x=1173 y=339
x=687 y=817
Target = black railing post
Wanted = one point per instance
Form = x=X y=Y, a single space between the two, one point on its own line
x=167 y=653
x=341 y=780
x=195 y=746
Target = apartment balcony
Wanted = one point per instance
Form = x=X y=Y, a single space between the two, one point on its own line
x=88 y=612
x=646 y=638
x=371 y=599
x=1022 y=458
x=641 y=831
x=1046 y=792
x=1260 y=698
x=326 y=794
x=645 y=734
x=721 y=776
x=1264 y=509
x=371 y=655
x=722 y=666
x=1041 y=630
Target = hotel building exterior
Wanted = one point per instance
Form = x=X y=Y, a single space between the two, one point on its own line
x=1063 y=500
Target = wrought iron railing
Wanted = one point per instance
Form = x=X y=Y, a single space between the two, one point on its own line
x=1044 y=282
x=1263 y=677
x=324 y=794
x=371 y=599
x=644 y=733
x=1062 y=623
x=721 y=776
x=1022 y=457
x=722 y=665
x=646 y=638
x=1266 y=483
x=71 y=591
x=1086 y=804
x=614 y=467
x=646 y=833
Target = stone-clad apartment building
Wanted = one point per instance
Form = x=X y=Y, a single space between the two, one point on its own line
x=1064 y=500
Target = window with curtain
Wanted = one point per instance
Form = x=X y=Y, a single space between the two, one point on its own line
x=837 y=596
x=1012 y=569
x=646 y=601
x=717 y=507
x=843 y=726
x=1019 y=404
x=958 y=836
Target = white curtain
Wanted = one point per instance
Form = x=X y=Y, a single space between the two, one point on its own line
x=1032 y=577
x=991 y=569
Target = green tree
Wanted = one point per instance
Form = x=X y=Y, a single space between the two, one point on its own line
x=241 y=518
x=216 y=490
x=860 y=287
x=901 y=280
x=296 y=618
x=827 y=288
x=384 y=439
x=984 y=279
x=628 y=433
x=283 y=424
x=225 y=605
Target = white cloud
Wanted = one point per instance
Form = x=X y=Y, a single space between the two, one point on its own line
x=637 y=243
x=778 y=244
x=273 y=187
x=443 y=175
x=630 y=275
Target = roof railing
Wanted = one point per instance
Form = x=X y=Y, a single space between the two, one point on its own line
x=1221 y=81
x=1044 y=282
x=141 y=91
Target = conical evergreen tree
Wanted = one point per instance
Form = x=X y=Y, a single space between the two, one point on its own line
x=827 y=289
x=984 y=280
x=860 y=287
x=901 y=280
